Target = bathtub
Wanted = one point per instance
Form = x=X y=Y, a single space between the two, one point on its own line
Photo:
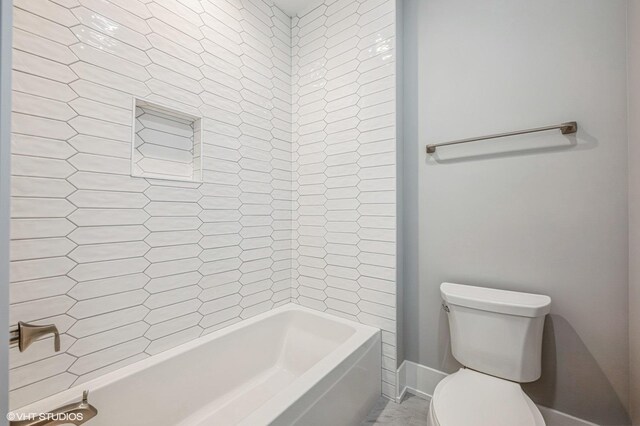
x=291 y=365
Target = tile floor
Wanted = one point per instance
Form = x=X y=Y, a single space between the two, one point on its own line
x=412 y=411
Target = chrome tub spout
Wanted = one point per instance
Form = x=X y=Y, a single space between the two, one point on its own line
x=76 y=413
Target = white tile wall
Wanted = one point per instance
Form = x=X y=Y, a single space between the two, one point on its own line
x=128 y=267
x=344 y=148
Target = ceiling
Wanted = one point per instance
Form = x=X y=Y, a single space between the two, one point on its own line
x=293 y=7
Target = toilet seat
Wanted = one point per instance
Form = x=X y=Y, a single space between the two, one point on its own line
x=469 y=398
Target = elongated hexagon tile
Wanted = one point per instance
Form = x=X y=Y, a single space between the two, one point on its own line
x=25 y=291
x=40 y=308
x=343 y=64
x=107 y=356
x=107 y=321
x=22 y=270
x=106 y=339
x=39 y=350
x=108 y=268
x=109 y=217
x=108 y=286
x=110 y=303
x=108 y=234
x=298 y=167
x=40 y=248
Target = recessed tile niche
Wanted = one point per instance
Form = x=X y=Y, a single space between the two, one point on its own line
x=166 y=143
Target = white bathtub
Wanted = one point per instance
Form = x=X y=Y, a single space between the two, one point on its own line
x=288 y=366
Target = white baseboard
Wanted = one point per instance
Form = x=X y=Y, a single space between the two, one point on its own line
x=558 y=418
x=418 y=379
x=421 y=381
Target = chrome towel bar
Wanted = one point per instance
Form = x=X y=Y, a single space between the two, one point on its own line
x=566 y=129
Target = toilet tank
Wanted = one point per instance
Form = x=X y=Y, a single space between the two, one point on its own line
x=496 y=332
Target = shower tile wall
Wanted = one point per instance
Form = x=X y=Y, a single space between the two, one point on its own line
x=344 y=144
x=129 y=267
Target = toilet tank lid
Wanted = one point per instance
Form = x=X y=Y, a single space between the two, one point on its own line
x=494 y=300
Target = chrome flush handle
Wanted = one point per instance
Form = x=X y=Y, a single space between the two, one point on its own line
x=26 y=334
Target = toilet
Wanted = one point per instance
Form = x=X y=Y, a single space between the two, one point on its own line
x=497 y=336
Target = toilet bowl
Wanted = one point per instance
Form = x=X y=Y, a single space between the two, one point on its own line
x=469 y=398
x=497 y=336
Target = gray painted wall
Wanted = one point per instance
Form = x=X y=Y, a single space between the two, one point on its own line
x=541 y=213
x=400 y=254
x=5 y=175
x=633 y=25
x=408 y=173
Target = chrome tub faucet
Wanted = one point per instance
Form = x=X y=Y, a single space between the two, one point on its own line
x=76 y=413
x=25 y=334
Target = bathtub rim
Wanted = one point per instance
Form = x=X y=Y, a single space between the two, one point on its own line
x=363 y=333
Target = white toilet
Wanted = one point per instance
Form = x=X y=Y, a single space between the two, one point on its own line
x=497 y=336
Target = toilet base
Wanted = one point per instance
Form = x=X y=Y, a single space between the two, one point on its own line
x=431 y=419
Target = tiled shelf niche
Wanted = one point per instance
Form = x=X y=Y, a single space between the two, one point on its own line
x=166 y=143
